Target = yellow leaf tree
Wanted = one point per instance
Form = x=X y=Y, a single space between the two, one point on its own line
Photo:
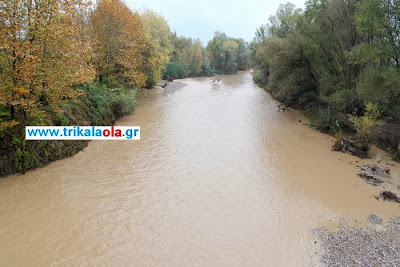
x=159 y=46
x=120 y=42
x=42 y=57
x=196 y=57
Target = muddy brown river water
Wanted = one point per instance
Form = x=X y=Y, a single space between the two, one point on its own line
x=219 y=178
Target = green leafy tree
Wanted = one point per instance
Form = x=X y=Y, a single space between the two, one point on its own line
x=243 y=61
x=187 y=56
x=214 y=51
x=378 y=25
x=332 y=58
x=227 y=55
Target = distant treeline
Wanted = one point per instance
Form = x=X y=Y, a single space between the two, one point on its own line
x=223 y=55
x=332 y=59
x=73 y=63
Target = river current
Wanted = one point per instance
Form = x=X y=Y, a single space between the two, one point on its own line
x=219 y=178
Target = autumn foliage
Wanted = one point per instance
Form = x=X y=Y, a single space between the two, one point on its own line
x=72 y=62
x=49 y=49
x=120 y=43
x=42 y=57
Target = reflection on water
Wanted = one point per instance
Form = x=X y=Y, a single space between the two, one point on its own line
x=218 y=178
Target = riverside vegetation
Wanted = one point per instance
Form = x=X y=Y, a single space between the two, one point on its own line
x=337 y=61
x=73 y=63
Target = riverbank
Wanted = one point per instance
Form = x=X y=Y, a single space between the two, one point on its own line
x=364 y=232
x=385 y=136
x=97 y=106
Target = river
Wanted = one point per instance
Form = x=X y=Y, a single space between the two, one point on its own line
x=219 y=177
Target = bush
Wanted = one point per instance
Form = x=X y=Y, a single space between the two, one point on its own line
x=151 y=81
x=327 y=121
x=365 y=124
x=123 y=103
x=258 y=77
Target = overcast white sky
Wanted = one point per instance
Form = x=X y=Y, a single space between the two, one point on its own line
x=201 y=18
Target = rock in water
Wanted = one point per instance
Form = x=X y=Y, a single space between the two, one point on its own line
x=389 y=196
x=346 y=145
x=372 y=174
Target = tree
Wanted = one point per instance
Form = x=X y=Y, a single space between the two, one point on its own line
x=259 y=37
x=381 y=85
x=188 y=56
x=227 y=55
x=284 y=22
x=332 y=58
x=196 y=58
x=331 y=30
x=120 y=44
x=214 y=50
x=312 y=50
x=378 y=24
x=159 y=37
x=242 y=54
x=42 y=56
x=378 y=27
x=206 y=68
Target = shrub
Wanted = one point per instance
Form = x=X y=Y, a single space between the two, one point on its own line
x=327 y=121
x=365 y=124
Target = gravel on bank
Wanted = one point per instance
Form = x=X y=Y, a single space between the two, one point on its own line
x=377 y=245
